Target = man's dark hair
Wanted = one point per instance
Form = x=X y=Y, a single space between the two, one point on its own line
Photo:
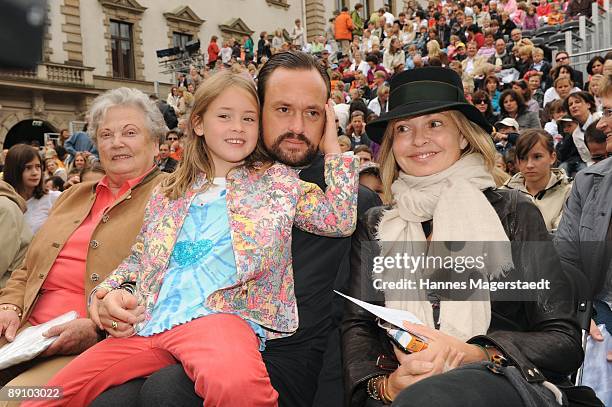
x=361 y=148
x=292 y=60
x=360 y=105
x=345 y=8
x=61 y=152
x=372 y=58
x=594 y=135
x=596 y=58
x=58 y=182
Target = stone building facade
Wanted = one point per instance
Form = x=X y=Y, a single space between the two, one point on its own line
x=94 y=45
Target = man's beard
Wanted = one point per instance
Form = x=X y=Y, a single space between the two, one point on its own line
x=292 y=157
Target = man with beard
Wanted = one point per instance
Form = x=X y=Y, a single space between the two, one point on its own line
x=293 y=90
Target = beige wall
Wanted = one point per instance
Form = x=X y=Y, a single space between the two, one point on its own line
x=92 y=32
x=257 y=14
x=58 y=55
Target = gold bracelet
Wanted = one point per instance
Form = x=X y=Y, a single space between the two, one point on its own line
x=382 y=390
x=12 y=308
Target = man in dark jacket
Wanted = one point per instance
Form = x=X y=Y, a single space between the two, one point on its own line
x=502 y=58
x=167 y=111
x=584 y=236
x=577 y=8
x=164 y=162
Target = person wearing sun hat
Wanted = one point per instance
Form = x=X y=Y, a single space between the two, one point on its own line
x=437 y=159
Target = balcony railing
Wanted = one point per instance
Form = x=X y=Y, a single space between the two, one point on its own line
x=53 y=73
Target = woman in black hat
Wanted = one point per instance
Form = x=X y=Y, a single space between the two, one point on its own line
x=437 y=162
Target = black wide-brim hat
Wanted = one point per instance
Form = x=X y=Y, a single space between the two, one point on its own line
x=422 y=91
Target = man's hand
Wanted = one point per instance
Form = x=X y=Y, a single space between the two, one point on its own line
x=74 y=337
x=329 y=142
x=596 y=334
x=9 y=322
x=119 y=306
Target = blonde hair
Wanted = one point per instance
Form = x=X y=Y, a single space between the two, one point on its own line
x=605 y=88
x=526 y=50
x=344 y=140
x=433 y=49
x=478 y=142
x=196 y=155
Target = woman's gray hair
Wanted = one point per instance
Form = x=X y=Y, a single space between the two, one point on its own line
x=154 y=120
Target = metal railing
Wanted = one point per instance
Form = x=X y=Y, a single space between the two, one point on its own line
x=593 y=37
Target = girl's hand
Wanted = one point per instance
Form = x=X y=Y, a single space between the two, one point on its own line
x=438 y=343
x=329 y=141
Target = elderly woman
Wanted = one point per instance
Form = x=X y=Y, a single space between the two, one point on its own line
x=89 y=232
x=437 y=162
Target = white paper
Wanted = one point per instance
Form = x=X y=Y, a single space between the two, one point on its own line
x=30 y=342
x=391 y=315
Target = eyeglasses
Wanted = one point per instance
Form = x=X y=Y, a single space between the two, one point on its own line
x=172 y=138
x=561 y=59
x=607 y=113
x=480 y=101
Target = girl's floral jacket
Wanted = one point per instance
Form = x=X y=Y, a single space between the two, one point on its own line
x=262 y=208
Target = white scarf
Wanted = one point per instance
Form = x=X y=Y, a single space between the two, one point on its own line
x=460 y=211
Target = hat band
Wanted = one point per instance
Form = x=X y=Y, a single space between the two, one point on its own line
x=418 y=92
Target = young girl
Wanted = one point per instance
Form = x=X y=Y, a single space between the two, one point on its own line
x=212 y=263
x=24 y=170
x=548 y=187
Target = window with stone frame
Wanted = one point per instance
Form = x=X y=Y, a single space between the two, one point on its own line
x=180 y=39
x=341 y=3
x=389 y=6
x=122 y=47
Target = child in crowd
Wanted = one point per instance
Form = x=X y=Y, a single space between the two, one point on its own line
x=556 y=111
x=369 y=177
x=531 y=21
x=212 y=263
x=556 y=15
x=540 y=65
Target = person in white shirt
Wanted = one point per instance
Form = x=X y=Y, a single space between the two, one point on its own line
x=23 y=170
x=393 y=55
x=581 y=106
x=389 y=18
x=380 y=104
x=359 y=64
x=366 y=41
x=297 y=35
x=226 y=53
